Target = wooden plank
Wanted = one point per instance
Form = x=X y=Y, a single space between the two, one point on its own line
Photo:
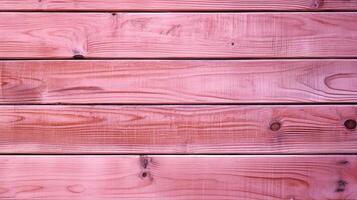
x=175 y=5
x=178 y=177
x=178 y=129
x=157 y=82
x=178 y=35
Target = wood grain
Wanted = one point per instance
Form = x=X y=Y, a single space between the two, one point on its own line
x=157 y=82
x=177 y=129
x=178 y=35
x=178 y=177
x=175 y=5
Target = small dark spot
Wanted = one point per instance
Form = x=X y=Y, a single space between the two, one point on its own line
x=350 y=124
x=144 y=174
x=341 y=186
x=342 y=182
x=114 y=14
x=78 y=56
x=339 y=190
x=39 y=1
x=232 y=44
x=343 y=162
x=275 y=126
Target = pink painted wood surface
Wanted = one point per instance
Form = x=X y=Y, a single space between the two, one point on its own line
x=177 y=129
x=178 y=35
x=200 y=81
x=175 y=5
x=178 y=177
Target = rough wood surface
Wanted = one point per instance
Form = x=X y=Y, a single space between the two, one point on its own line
x=177 y=129
x=178 y=177
x=175 y=5
x=158 y=82
x=178 y=35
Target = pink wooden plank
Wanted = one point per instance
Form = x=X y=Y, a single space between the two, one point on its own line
x=178 y=129
x=178 y=35
x=178 y=177
x=157 y=82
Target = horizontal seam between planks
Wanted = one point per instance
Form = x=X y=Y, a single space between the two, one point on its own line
x=181 y=58
x=179 y=11
x=176 y=154
x=184 y=104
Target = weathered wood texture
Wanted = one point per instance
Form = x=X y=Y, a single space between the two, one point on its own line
x=177 y=129
x=158 y=82
x=163 y=35
x=175 y=5
x=178 y=178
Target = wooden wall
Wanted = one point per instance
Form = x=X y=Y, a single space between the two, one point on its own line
x=178 y=100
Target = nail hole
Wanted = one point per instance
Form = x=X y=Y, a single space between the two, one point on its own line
x=275 y=126
x=232 y=43
x=350 y=124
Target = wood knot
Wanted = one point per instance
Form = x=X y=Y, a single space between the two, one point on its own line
x=77 y=54
x=315 y=4
x=145 y=165
x=341 y=186
x=144 y=174
x=350 y=124
x=144 y=161
x=275 y=126
x=76 y=188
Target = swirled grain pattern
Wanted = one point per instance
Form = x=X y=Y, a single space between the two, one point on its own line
x=178 y=35
x=177 y=129
x=180 y=82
